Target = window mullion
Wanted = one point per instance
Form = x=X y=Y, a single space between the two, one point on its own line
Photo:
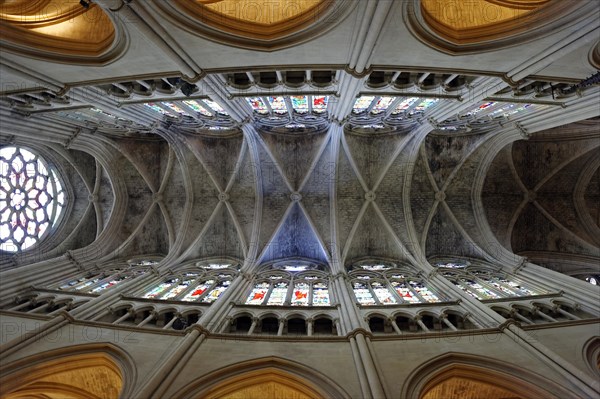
x=377 y=302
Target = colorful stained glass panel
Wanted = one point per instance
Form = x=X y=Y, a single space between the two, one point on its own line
x=258 y=293
x=278 y=105
x=216 y=292
x=198 y=291
x=363 y=295
x=320 y=104
x=278 y=294
x=300 y=294
x=300 y=104
x=383 y=294
x=197 y=107
x=362 y=103
x=320 y=295
x=382 y=104
x=406 y=294
x=258 y=105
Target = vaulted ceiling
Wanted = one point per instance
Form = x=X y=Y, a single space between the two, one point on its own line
x=222 y=178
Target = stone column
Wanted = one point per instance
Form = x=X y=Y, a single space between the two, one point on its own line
x=447 y=322
x=280 y=327
x=127 y=315
x=147 y=319
x=421 y=324
x=369 y=366
x=309 y=327
x=253 y=325
x=395 y=326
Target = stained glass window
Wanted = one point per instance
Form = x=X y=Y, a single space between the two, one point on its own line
x=382 y=104
x=214 y=106
x=258 y=294
x=278 y=105
x=217 y=266
x=216 y=292
x=405 y=293
x=362 y=104
x=480 y=291
x=278 y=294
x=295 y=268
x=179 y=288
x=300 y=104
x=110 y=283
x=258 y=105
x=205 y=286
x=511 y=109
x=100 y=281
x=423 y=105
x=87 y=283
x=425 y=292
x=388 y=284
x=404 y=105
x=72 y=283
x=197 y=107
x=159 y=289
x=320 y=295
x=300 y=294
x=320 y=104
x=363 y=294
x=452 y=265
x=383 y=294
x=484 y=283
x=175 y=108
x=196 y=293
x=376 y=267
x=480 y=108
x=156 y=108
x=290 y=284
x=31 y=198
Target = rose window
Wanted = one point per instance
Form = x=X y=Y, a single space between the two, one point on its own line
x=31 y=198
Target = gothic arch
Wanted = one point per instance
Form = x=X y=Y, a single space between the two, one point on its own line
x=54 y=371
x=508 y=378
x=287 y=374
x=591 y=353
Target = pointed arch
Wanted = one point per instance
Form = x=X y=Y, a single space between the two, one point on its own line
x=482 y=372
x=297 y=378
x=65 y=370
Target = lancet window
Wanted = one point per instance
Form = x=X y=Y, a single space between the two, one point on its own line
x=281 y=105
x=389 y=105
x=203 y=283
x=483 y=283
x=290 y=285
x=97 y=282
x=380 y=283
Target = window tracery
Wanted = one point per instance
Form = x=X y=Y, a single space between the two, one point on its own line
x=32 y=198
x=296 y=105
x=381 y=283
x=98 y=282
x=375 y=105
x=290 y=284
x=205 y=285
x=482 y=283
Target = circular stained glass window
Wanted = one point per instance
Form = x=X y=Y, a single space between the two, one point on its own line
x=31 y=198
